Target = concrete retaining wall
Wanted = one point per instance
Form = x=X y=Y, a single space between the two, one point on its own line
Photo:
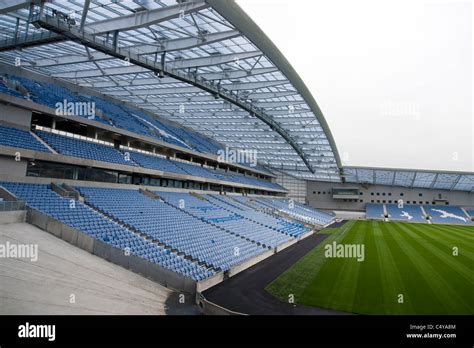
x=150 y=270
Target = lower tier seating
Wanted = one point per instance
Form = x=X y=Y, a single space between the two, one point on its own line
x=79 y=216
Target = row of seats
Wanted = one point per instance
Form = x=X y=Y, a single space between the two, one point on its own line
x=173 y=227
x=79 y=216
x=418 y=213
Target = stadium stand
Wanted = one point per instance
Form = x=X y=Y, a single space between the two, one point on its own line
x=14 y=137
x=411 y=213
x=79 y=216
x=374 y=211
x=173 y=227
x=447 y=215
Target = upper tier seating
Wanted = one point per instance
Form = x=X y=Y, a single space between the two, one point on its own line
x=231 y=219
x=408 y=212
x=374 y=211
x=84 y=149
x=173 y=227
x=79 y=216
x=447 y=215
x=20 y=138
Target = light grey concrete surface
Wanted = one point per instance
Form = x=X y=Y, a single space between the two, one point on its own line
x=62 y=270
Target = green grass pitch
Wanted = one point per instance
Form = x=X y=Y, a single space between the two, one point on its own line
x=412 y=260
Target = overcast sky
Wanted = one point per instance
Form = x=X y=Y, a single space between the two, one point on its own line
x=393 y=78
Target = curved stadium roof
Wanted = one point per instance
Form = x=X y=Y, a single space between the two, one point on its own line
x=203 y=64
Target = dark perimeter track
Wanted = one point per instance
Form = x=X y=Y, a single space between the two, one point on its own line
x=245 y=292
